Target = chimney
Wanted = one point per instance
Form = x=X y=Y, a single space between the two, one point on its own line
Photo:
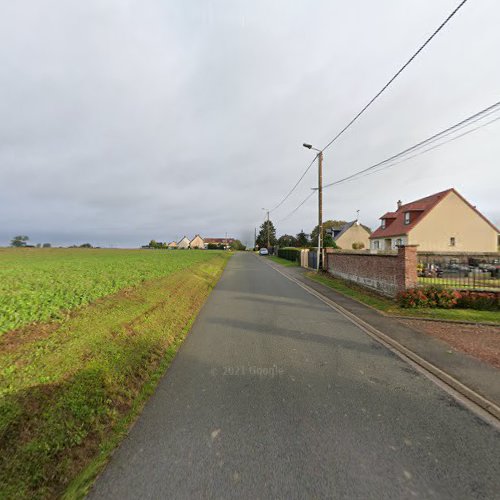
x=399 y=204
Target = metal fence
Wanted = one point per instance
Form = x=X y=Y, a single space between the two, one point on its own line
x=474 y=274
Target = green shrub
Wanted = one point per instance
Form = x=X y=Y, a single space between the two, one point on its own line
x=292 y=254
x=430 y=296
x=483 y=301
x=414 y=297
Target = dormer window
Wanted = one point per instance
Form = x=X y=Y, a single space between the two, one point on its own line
x=407 y=217
x=383 y=224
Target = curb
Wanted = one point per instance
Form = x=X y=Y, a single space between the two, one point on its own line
x=451 y=321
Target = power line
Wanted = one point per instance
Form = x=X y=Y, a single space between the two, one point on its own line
x=296 y=208
x=426 y=142
x=440 y=27
x=405 y=65
x=401 y=157
x=294 y=187
x=428 y=149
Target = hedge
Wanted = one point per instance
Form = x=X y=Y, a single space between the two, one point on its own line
x=292 y=254
x=436 y=296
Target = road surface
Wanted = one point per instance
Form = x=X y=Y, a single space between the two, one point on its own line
x=275 y=395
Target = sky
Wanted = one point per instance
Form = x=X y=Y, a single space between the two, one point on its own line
x=125 y=121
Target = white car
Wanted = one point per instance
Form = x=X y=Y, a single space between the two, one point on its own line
x=263 y=251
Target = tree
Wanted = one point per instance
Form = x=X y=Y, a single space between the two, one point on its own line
x=263 y=233
x=302 y=240
x=287 y=240
x=328 y=242
x=19 y=241
x=237 y=245
x=329 y=224
x=46 y=245
x=86 y=245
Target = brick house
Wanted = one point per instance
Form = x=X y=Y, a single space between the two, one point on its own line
x=442 y=222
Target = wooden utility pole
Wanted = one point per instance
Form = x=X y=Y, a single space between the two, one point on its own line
x=320 y=207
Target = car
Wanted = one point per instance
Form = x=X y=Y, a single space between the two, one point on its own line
x=263 y=251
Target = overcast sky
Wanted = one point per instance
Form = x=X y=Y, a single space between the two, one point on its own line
x=123 y=121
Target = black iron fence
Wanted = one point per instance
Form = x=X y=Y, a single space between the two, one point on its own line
x=471 y=274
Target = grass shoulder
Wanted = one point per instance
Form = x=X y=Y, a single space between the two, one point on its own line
x=283 y=262
x=389 y=306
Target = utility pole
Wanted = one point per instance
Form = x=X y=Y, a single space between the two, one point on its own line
x=254 y=238
x=320 y=200
x=320 y=206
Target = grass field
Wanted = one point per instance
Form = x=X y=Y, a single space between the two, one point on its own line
x=43 y=284
x=71 y=386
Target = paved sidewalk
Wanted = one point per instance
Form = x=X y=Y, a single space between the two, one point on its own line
x=479 y=376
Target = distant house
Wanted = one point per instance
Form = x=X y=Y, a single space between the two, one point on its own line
x=197 y=242
x=172 y=244
x=225 y=242
x=184 y=243
x=442 y=222
x=352 y=233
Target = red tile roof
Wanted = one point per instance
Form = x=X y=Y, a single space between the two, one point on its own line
x=218 y=240
x=418 y=210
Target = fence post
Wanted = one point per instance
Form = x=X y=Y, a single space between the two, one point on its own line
x=408 y=276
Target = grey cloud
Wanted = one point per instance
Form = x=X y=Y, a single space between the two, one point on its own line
x=127 y=120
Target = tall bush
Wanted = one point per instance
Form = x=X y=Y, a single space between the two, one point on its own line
x=292 y=254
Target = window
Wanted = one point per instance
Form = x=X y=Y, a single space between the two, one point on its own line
x=452 y=241
x=376 y=245
x=383 y=224
x=399 y=242
x=407 y=217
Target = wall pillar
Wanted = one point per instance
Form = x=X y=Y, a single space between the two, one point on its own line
x=408 y=277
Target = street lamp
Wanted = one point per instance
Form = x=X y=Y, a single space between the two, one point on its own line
x=320 y=199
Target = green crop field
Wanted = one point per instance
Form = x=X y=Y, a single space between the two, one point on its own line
x=85 y=336
x=43 y=284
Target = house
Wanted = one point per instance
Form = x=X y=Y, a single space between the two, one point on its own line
x=197 y=242
x=442 y=222
x=351 y=235
x=172 y=244
x=184 y=243
x=225 y=242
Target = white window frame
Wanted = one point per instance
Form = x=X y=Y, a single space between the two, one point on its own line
x=407 y=218
x=382 y=224
x=376 y=245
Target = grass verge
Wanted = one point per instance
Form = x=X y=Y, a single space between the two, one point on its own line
x=69 y=391
x=389 y=307
x=283 y=262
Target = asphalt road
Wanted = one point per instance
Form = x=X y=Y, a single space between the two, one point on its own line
x=275 y=395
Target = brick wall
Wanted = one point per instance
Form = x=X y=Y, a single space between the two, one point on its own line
x=386 y=274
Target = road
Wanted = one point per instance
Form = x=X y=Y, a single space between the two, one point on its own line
x=276 y=395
